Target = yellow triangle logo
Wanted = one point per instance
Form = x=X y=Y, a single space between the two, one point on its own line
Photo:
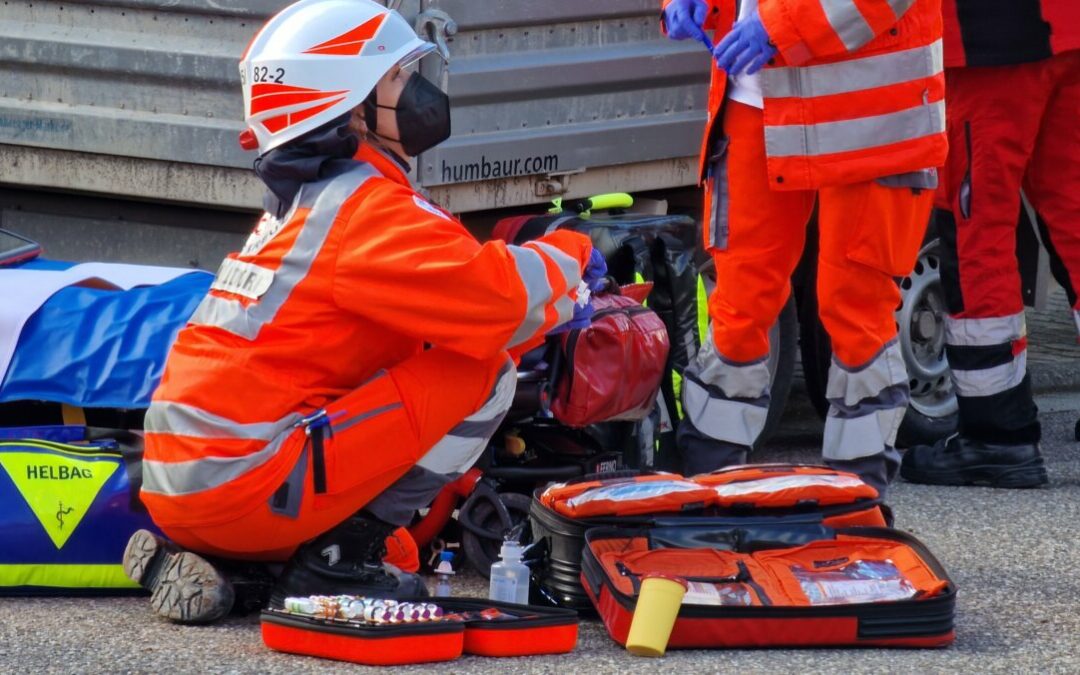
x=58 y=489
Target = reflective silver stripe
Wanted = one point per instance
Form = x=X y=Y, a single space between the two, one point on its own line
x=326 y=198
x=808 y=140
x=533 y=274
x=180 y=419
x=984 y=332
x=719 y=227
x=850 y=386
x=205 y=473
x=855 y=437
x=564 y=309
x=570 y=268
x=900 y=7
x=736 y=422
x=735 y=380
x=990 y=381
x=459 y=449
x=848 y=22
x=868 y=72
x=867 y=404
x=356 y=419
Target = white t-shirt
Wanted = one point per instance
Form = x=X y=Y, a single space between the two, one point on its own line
x=746 y=88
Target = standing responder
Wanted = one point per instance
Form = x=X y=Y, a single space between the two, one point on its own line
x=301 y=391
x=847 y=110
x=1013 y=75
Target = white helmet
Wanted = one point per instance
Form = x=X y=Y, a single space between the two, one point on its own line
x=316 y=60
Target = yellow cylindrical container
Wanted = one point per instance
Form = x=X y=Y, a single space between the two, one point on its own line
x=657 y=607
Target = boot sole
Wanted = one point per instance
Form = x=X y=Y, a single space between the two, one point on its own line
x=1030 y=474
x=184 y=587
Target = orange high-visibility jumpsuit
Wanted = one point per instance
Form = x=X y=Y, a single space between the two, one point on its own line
x=852 y=118
x=301 y=388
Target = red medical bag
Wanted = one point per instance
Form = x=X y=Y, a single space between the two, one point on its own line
x=776 y=585
x=519 y=630
x=613 y=367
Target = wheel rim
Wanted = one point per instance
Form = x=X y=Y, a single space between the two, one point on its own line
x=920 y=321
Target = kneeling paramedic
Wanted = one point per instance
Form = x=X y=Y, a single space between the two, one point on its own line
x=358 y=353
x=846 y=112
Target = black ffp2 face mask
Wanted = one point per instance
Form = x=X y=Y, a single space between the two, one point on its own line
x=423 y=116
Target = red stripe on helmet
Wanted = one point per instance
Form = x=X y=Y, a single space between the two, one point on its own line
x=280 y=122
x=351 y=42
x=272 y=101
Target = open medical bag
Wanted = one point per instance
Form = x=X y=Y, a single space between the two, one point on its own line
x=68 y=504
x=775 y=584
x=788 y=493
x=470 y=626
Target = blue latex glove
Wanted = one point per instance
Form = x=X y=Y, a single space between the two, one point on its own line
x=745 y=49
x=593 y=279
x=684 y=19
x=595 y=274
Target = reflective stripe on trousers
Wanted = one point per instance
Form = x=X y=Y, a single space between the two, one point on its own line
x=459 y=449
x=987 y=356
x=207 y=473
x=866 y=405
x=725 y=400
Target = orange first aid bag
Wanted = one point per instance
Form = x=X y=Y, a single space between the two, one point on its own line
x=776 y=585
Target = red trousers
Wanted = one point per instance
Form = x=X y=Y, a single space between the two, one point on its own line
x=1010 y=128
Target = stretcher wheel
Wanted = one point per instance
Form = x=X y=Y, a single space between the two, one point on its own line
x=483 y=551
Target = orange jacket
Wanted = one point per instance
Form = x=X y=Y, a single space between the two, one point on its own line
x=856 y=91
x=356 y=278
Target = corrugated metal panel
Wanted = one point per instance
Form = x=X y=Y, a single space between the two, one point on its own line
x=542 y=87
x=538 y=87
x=138 y=78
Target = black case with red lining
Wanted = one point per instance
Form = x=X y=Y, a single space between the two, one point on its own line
x=777 y=617
x=534 y=630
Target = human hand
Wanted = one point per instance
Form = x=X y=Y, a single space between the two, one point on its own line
x=746 y=48
x=595 y=274
x=684 y=19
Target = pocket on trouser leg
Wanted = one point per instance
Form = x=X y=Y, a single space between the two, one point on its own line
x=717 y=200
x=369 y=442
x=888 y=227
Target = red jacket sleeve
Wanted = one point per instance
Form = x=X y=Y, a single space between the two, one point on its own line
x=807 y=29
x=408 y=265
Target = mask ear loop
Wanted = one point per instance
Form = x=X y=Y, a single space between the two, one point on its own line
x=371 y=112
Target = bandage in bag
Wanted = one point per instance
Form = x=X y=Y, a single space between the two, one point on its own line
x=67 y=509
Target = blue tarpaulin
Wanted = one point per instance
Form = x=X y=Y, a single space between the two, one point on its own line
x=90 y=347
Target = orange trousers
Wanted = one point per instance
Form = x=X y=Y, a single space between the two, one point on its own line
x=428 y=398
x=870 y=234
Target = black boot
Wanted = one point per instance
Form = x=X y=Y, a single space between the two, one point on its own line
x=185 y=587
x=962 y=461
x=702 y=453
x=347 y=560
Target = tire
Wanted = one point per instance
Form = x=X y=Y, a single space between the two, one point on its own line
x=932 y=413
x=482 y=552
x=783 y=343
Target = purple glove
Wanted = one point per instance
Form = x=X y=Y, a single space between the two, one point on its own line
x=745 y=48
x=595 y=274
x=684 y=19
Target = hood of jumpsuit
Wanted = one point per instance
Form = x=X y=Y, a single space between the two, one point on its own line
x=318 y=154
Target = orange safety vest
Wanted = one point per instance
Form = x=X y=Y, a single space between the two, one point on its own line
x=856 y=91
x=357 y=277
